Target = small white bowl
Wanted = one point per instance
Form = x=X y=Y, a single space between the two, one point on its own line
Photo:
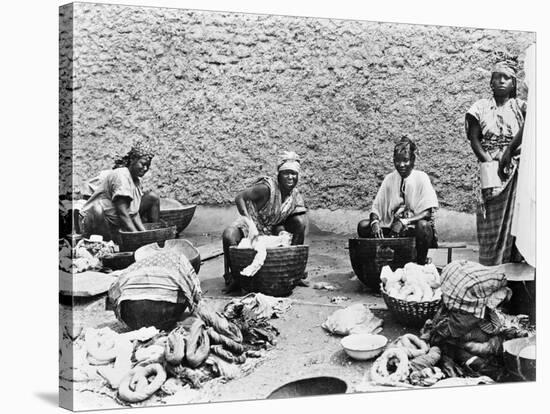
x=364 y=346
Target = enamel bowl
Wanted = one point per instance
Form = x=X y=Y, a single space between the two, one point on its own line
x=364 y=346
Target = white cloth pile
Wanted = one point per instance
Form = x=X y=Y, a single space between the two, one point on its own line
x=355 y=319
x=253 y=240
x=413 y=283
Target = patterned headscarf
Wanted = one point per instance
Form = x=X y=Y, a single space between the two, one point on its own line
x=505 y=67
x=289 y=160
x=508 y=66
x=140 y=149
x=405 y=144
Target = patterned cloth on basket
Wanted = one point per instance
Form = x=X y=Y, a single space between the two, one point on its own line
x=470 y=287
x=164 y=276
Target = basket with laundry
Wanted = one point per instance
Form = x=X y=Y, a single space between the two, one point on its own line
x=469 y=340
x=369 y=255
x=267 y=264
x=412 y=293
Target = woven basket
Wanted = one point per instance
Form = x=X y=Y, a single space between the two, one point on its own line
x=176 y=214
x=412 y=314
x=368 y=256
x=117 y=261
x=155 y=233
x=143 y=313
x=282 y=268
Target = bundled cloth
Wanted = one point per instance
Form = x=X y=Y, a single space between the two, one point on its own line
x=470 y=287
x=260 y=243
x=86 y=255
x=413 y=282
x=137 y=364
x=164 y=276
x=356 y=318
x=467 y=327
x=256 y=306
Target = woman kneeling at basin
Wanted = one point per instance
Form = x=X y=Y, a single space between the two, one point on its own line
x=273 y=204
x=405 y=204
x=118 y=201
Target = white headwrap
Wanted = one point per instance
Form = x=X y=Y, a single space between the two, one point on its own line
x=289 y=160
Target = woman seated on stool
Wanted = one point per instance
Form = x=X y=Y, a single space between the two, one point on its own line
x=404 y=205
x=118 y=201
x=273 y=204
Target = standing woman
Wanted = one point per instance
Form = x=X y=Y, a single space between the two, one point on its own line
x=494 y=127
x=118 y=202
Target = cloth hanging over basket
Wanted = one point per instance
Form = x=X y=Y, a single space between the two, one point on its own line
x=165 y=276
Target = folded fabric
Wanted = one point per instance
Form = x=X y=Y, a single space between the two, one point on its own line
x=256 y=306
x=355 y=318
x=123 y=363
x=469 y=287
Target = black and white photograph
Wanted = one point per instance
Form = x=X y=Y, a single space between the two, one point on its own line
x=261 y=205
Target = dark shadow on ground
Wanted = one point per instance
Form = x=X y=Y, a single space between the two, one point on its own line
x=51 y=398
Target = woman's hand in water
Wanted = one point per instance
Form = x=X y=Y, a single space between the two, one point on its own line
x=377 y=230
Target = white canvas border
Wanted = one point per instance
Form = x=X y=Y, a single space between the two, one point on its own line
x=30 y=173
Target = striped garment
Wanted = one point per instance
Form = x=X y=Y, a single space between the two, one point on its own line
x=499 y=125
x=494 y=225
x=164 y=276
x=275 y=211
x=468 y=286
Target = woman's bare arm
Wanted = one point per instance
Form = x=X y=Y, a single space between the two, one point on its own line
x=474 y=135
x=122 y=205
x=258 y=194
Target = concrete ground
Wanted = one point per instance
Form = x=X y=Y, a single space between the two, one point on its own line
x=304 y=349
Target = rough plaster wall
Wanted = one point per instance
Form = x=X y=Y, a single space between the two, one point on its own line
x=65 y=99
x=223 y=93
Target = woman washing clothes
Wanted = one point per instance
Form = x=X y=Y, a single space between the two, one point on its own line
x=494 y=128
x=118 y=202
x=405 y=204
x=273 y=204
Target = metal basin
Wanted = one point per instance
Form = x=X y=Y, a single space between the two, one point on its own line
x=523 y=368
x=308 y=387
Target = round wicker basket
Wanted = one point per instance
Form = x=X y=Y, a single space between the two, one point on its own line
x=282 y=268
x=176 y=214
x=117 y=261
x=412 y=314
x=368 y=256
x=154 y=233
x=143 y=313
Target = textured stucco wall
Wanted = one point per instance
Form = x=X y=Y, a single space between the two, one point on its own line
x=223 y=93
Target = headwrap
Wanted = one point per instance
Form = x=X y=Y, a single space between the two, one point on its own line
x=405 y=144
x=289 y=160
x=505 y=67
x=508 y=66
x=140 y=149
